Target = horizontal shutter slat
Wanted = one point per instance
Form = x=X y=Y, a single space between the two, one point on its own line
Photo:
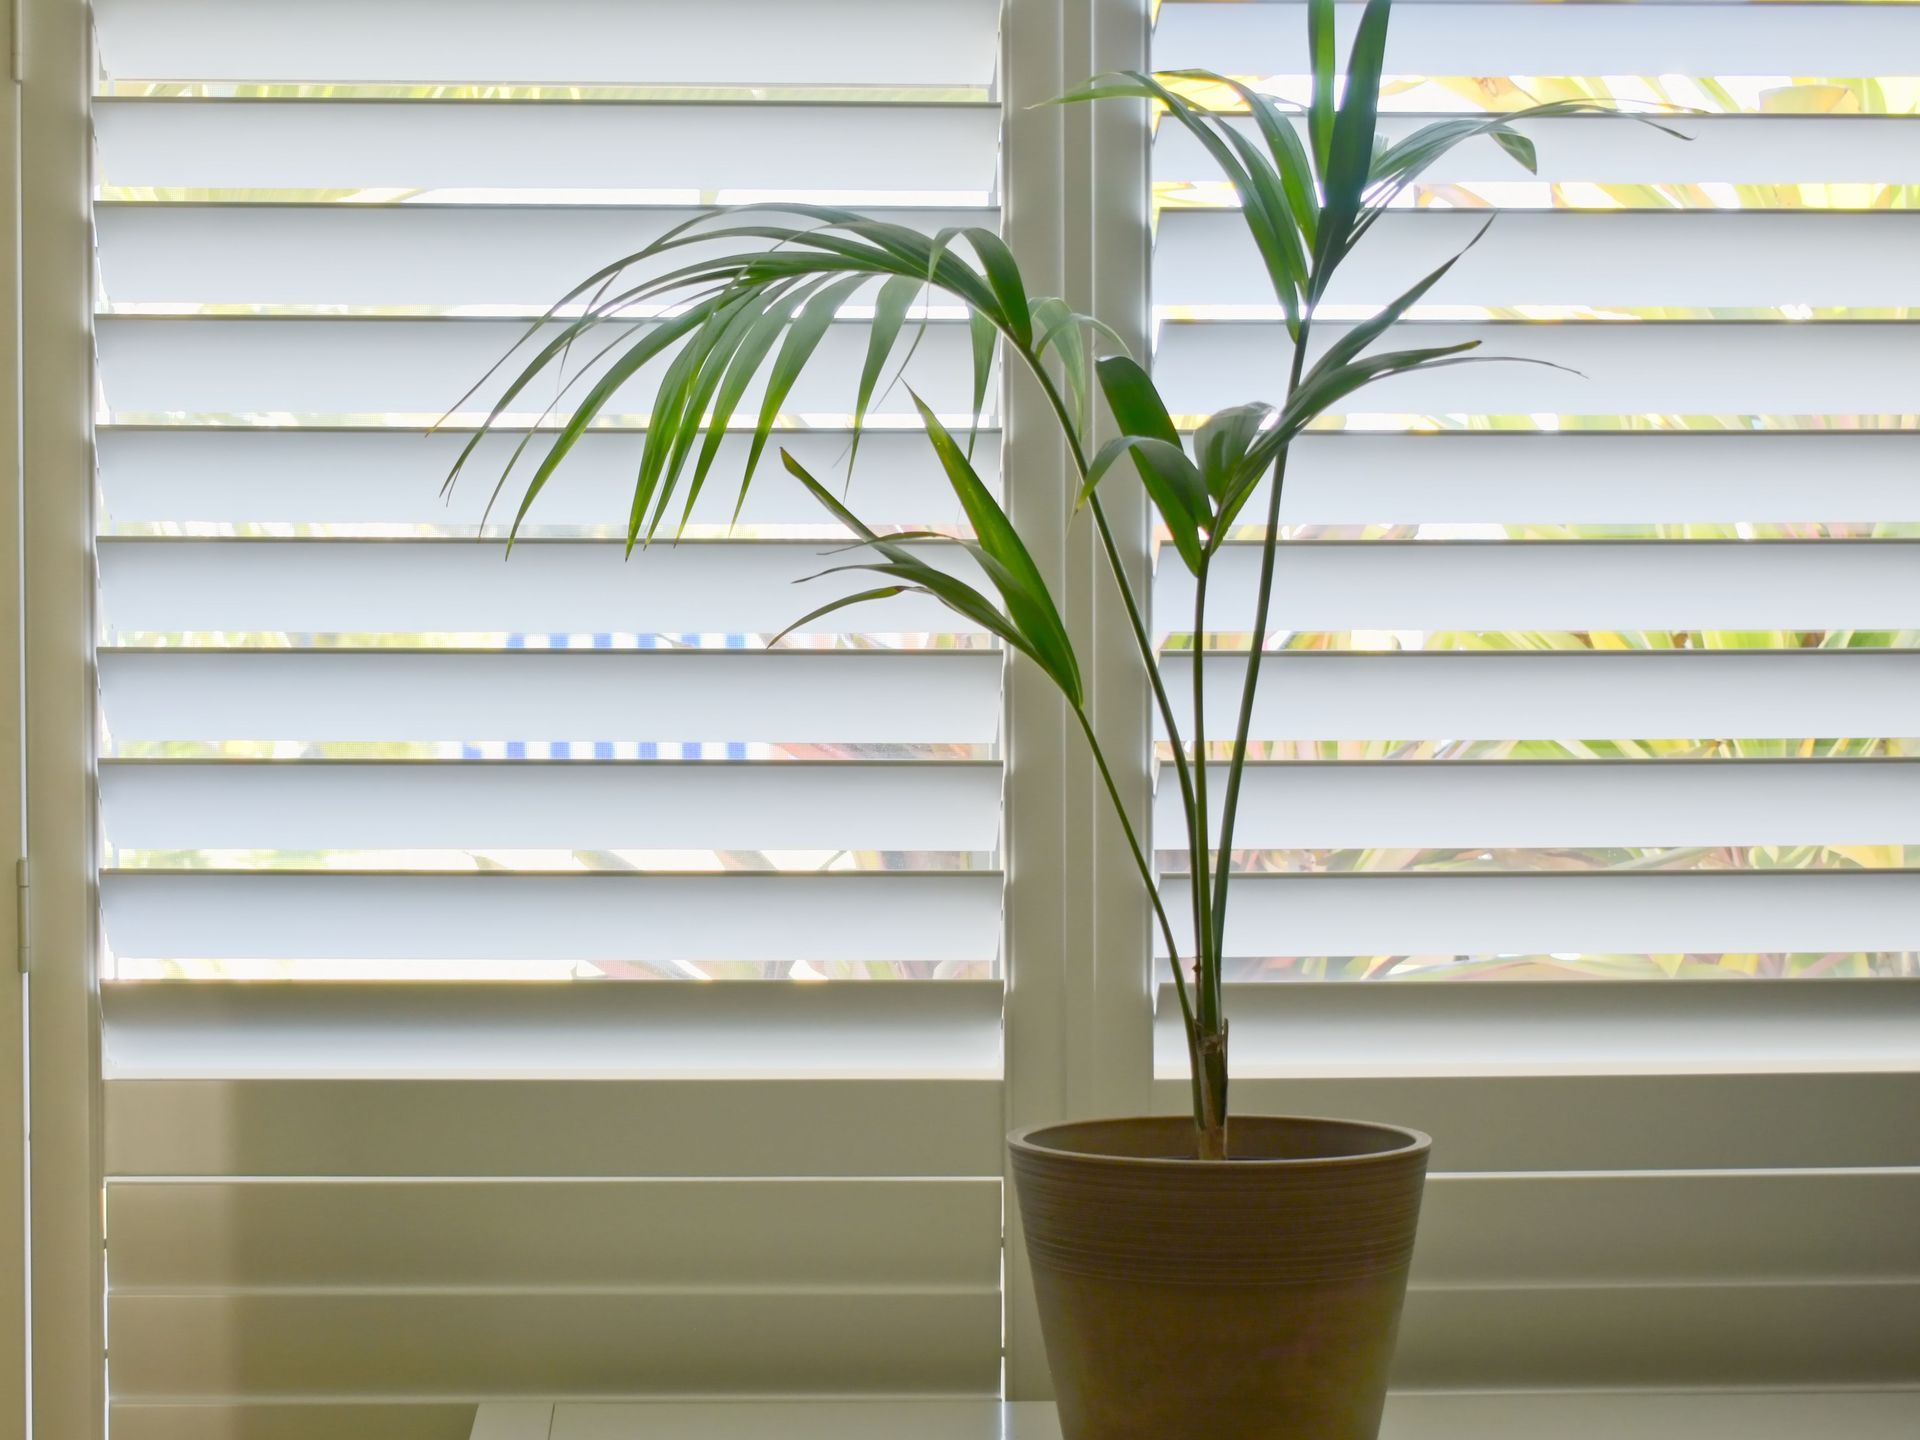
x=1704 y=1227
x=525 y=256
x=892 y=1126
x=756 y=1342
x=735 y=588
x=564 y=807
x=1599 y=259
x=203 y=1234
x=1558 y=587
x=1567 y=806
x=484 y=918
x=929 y=149
x=1632 y=1030
x=191 y=480
x=749 y=42
x=246 y=1034
x=1618 y=695
x=1437 y=37
x=1704 y=913
x=1513 y=479
x=422 y=368
x=1613 y=149
x=1653 y=368
x=1605 y=1335
x=1648 y=1121
x=895 y=697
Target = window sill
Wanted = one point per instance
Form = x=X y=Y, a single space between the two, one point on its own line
x=1878 y=1415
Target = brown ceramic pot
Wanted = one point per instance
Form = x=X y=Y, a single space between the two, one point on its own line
x=1252 y=1299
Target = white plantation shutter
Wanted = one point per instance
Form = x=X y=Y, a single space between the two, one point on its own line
x=1602 y=677
x=348 y=751
x=1599 y=678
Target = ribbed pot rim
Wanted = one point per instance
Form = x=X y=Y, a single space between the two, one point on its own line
x=1035 y=1140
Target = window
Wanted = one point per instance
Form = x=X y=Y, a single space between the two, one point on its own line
x=478 y=938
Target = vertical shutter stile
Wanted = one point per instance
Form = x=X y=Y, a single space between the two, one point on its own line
x=1601 y=677
x=359 y=776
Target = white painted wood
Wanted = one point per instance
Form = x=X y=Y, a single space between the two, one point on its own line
x=1759 y=1121
x=1073 y=181
x=1507 y=805
x=1653 y=1230
x=943 y=152
x=1626 y=367
x=15 y=1349
x=1546 y=587
x=1888 y=1415
x=318 y=477
x=1656 y=1027
x=1607 y=149
x=518 y=255
x=461 y=1341
x=730 y=587
x=1670 y=1335
x=1046 y=902
x=56 y=298
x=1552 y=694
x=369 y=365
x=932 y=42
x=295 y=1232
x=743 y=1030
x=1438 y=37
x=1640 y=478
x=826 y=916
x=1592 y=258
x=555 y=1127
x=1616 y=912
x=826 y=698
x=843 y=1339
x=563 y=808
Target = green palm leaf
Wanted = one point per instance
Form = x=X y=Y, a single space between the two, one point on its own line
x=1348 y=168
x=889 y=314
x=1005 y=560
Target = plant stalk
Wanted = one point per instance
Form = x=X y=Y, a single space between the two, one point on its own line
x=1237 y=763
x=1199 y=836
x=1206 y=1031
x=1200 y=1110
x=1209 y=1044
x=1144 y=644
x=1212 y=1063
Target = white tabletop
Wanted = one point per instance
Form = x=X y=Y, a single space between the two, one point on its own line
x=1890 y=1415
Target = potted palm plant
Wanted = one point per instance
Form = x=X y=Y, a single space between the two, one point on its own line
x=1194 y=1277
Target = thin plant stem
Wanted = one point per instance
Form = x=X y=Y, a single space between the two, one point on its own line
x=1199 y=835
x=1210 y=1045
x=1153 y=894
x=1136 y=622
x=1144 y=644
x=1237 y=763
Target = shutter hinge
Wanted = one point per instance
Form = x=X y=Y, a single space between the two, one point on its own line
x=24 y=939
